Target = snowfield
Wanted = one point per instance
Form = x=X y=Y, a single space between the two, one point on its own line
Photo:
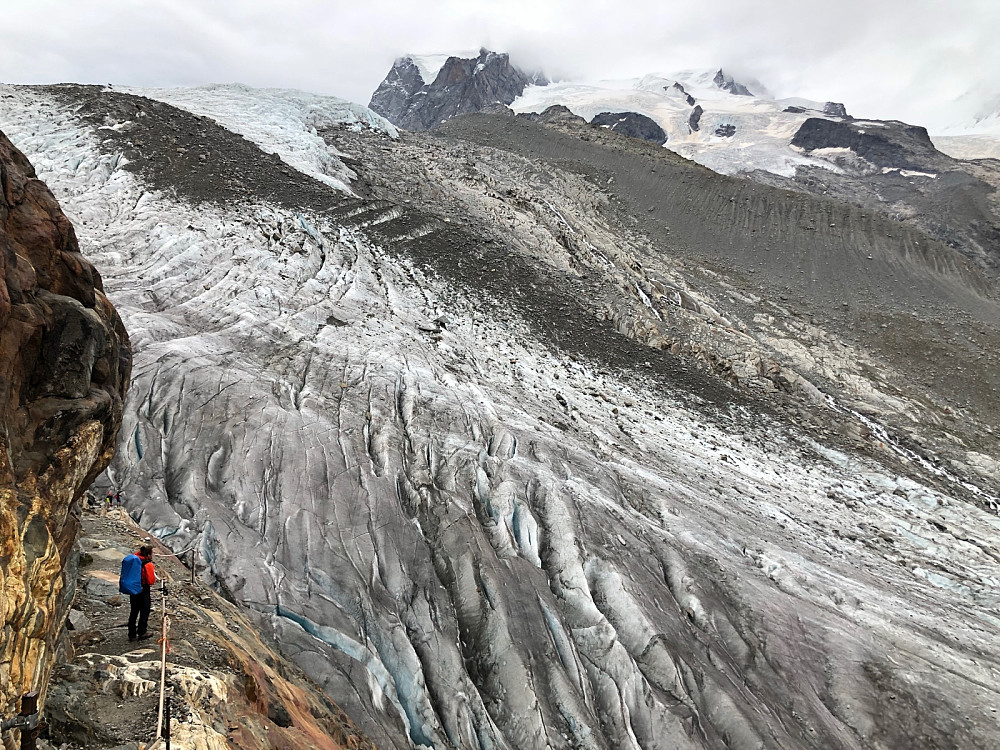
x=764 y=130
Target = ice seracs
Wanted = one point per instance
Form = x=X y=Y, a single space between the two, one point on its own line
x=281 y=121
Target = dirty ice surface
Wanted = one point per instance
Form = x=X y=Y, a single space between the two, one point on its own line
x=281 y=121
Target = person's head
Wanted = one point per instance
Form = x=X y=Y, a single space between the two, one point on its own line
x=146 y=551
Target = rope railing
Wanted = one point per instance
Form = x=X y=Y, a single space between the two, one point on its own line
x=161 y=737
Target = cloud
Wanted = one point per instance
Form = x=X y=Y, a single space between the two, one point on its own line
x=919 y=60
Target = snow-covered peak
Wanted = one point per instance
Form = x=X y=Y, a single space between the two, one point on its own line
x=282 y=121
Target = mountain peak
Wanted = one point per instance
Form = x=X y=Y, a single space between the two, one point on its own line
x=421 y=91
x=730 y=84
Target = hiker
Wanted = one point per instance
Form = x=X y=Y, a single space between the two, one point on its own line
x=137 y=577
x=107 y=501
x=118 y=499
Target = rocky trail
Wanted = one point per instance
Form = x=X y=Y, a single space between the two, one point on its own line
x=229 y=688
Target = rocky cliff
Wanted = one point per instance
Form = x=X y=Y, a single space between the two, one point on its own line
x=64 y=369
x=728 y=83
x=462 y=85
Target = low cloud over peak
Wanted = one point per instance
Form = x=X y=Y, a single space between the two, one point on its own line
x=893 y=59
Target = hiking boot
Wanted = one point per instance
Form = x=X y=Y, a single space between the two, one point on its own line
x=145 y=637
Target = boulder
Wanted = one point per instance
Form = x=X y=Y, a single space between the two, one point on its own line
x=78 y=621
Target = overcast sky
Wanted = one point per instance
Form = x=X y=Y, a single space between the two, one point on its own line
x=907 y=59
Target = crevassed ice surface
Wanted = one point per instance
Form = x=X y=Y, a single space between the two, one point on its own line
x=398 y=506
x=280 y=121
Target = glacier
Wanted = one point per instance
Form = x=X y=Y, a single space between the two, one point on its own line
x=471 y=532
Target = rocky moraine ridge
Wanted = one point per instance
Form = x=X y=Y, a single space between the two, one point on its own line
x=521 y=433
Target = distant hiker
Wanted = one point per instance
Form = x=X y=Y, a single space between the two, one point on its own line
x=107 y=500
x=137 y=577
x=118 y=499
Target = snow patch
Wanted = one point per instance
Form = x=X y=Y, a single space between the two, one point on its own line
x=430 y=65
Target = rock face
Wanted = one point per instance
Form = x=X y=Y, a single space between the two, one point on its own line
x=835 y=109
x=461 y=86
x=549 y=438
x=889 y=144
x=694 y=119
x=730 y=84
x=687 y=97
x=631 y=124
x=64 y=369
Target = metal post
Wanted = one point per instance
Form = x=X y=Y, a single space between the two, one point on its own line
x=164 y=623
x=166 y=726
x=29 y=710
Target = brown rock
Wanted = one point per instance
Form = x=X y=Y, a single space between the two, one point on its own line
x=65 y=363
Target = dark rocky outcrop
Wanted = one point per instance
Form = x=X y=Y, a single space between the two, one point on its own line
x=65 y=363
x=463 y=85
x=835 y=109
x=557 y=114
x=694 y=120
x=728 y=83
x=395 y=94
x=633 y=125
x=687 y=97
x=726 y=130
x=830 y=109
x=896 y=169
x=889 y=143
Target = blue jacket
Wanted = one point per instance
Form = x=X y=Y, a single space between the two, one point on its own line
x=130 y=581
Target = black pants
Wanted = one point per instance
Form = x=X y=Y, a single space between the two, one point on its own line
x=141 y=603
